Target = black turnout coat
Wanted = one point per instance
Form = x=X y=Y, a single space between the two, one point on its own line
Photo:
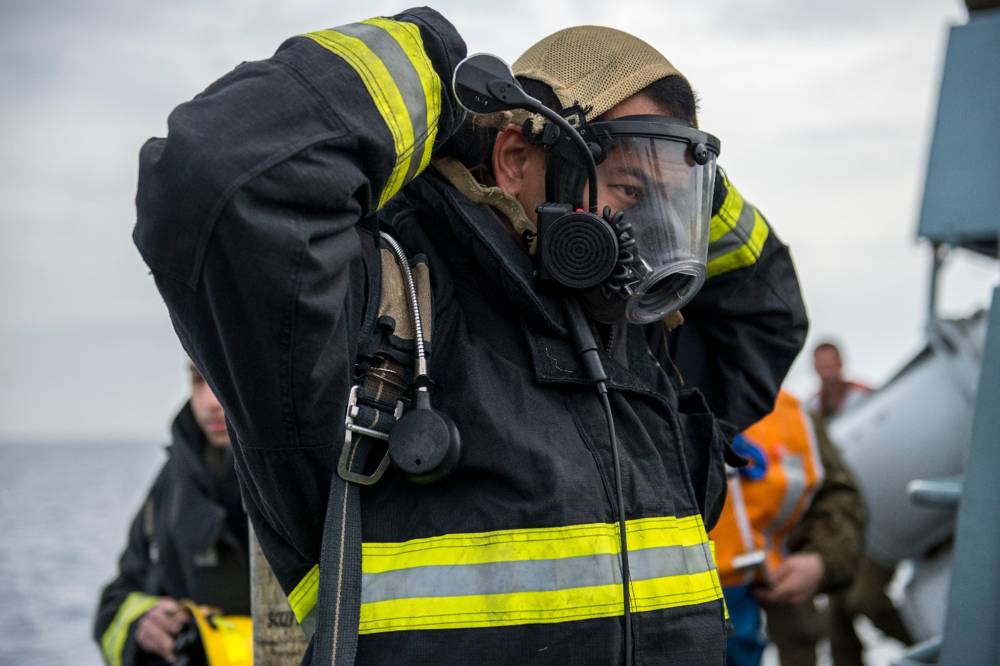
x=188 y=541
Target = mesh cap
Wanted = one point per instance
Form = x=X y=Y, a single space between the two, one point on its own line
x=593 y=66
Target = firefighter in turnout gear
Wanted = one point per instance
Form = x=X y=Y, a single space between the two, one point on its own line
x=261 y=216
x=188 y=544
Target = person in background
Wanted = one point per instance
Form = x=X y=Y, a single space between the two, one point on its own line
x=189 y=541
x=866 y=596
x=791 y=527
x=836 y=395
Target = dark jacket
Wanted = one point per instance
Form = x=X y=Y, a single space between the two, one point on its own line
x=253 y=216
x=834 y=525
x=188 y=541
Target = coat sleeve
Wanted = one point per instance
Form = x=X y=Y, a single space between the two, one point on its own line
x=833 y=527
x=748 y=323
x=124 y=600
x=248 y=216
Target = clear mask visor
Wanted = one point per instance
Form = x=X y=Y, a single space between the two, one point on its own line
x=666 y=197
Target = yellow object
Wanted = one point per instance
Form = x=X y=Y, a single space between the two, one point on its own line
x=227 y=639
x=759 y=514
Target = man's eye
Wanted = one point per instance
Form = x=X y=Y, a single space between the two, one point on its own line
x=629 y=191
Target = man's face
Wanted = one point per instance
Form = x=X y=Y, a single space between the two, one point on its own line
x=207 y=410
x=618 y=187
x=621 y=183
x=828 y=365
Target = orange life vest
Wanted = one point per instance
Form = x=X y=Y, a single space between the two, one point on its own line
x=760 y=513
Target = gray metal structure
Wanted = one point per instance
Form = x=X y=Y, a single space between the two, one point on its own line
x=961 y=208
x=972 y=627
x=961 y=195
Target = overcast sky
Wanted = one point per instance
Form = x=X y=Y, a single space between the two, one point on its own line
x=825 y=113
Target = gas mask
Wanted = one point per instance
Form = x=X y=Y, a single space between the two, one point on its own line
x=655 y=180
x=644 y=255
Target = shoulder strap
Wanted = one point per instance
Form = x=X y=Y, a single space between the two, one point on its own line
x=383 y=371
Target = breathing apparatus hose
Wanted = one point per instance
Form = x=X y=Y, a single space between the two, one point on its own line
x=531 y=104
x=586 y=346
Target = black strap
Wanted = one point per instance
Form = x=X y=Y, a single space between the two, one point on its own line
x=381 y=380
x=339 y=603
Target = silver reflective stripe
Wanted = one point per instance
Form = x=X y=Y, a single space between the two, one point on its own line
x=308 y=625
x=740 y=509
x=736 y=237
x=795 y=473
x=531 y=575
x=406 y=79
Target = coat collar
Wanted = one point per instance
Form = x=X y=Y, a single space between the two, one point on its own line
x=510 y=273
x=196 y=513
x=505 y=264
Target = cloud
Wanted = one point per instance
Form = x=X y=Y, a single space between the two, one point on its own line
x=824 y=112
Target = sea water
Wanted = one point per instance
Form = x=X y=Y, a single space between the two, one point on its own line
x=64 y=517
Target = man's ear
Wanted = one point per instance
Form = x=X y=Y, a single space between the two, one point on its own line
x=511 y=153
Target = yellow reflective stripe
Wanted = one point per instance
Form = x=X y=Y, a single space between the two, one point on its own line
x=113 y=641
x=386 y=76
x=548 y=607
x=715 y=570
x=729 y=214
x=531 y=544
x=408 y=37
x=676 y=548
x=745 y=255
x=384 y=93
x=303 y=597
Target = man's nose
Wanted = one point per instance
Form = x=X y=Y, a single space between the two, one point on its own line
x=213 y=402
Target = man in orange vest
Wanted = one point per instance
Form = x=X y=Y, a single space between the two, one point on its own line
x=791 y=527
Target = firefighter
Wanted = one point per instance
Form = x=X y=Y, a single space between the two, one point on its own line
x=260 y=216
x=187 y=543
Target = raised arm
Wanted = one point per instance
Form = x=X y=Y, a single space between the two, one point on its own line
x=251 y=215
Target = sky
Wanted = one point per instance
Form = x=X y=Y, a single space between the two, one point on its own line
x=825 y=112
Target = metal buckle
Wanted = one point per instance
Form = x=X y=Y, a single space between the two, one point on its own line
x=347 y=451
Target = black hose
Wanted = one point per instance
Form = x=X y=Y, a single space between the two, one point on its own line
x=586 y=346
x=622 y=530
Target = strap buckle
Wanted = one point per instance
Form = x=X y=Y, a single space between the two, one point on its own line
x=350 y=448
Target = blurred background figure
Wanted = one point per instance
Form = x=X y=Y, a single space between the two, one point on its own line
x=866 y=596
x=791 y=528
x=187 y=545
x=835 y=394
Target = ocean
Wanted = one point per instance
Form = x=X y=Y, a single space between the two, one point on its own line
x=64 y=514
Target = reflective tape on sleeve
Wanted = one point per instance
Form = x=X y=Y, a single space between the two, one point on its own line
x=389 y=58
x=113 y=641
x=736 y=235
